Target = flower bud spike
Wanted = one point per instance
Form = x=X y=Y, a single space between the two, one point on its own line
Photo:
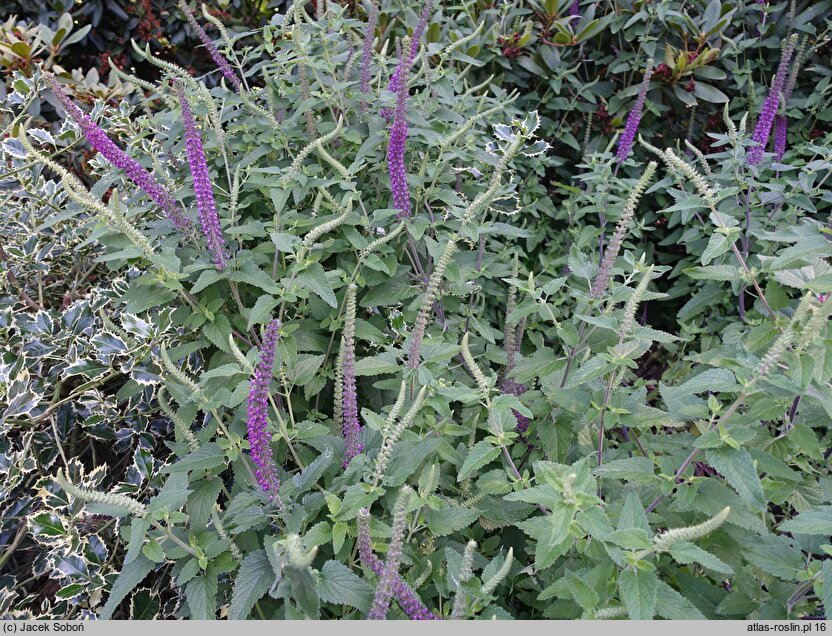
x=667 y=539
x=350 y=425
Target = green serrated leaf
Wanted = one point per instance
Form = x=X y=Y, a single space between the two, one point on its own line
x=673 y=606
x=253 y=580
x=338 y=584
x=736 y=465
x=450 y=519
x=314 y=279
x=261 y=313
x=639 y=590
x=131 y=575
x=482 y=453
x=817 y=520
x=685 y=553
x=201 y=593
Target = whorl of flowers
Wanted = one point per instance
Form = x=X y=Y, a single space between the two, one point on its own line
x=772 y=103
x=180 y=427
x=688 y=171
x=512 y=387
x=398 y=141
x=408 y=600
x=220 y=528
x=338 y=402
x=774 y=353
x=209 y=45
x=258 y=420
x=511 y=345
x=781 y=131
x=390 y=573
x=202 y=182
x=405 y=63
x=634 y=118
x=602 y=280
x=99 y=140
x=350 y=426
x=367 y=52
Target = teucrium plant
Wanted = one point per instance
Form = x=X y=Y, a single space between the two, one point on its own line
x=533 y=427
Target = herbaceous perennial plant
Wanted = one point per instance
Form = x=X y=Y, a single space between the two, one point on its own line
x=388 y=400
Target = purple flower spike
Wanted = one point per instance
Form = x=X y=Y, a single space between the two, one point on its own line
x=209 y=45
x=99 y=140
x=202 y=182
x=415 y=41
x=512 y=387
x=575 y=8
x=408 y=600
x=766 y=119
x=259 y=440
x=351 y=427
x=634 y=118
x=396 y=148
x=781 y=124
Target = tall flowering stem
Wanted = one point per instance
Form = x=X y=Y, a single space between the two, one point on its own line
x=509 y=385
x=772 y=103
x=259 y=438
x=404 y=594
x=350 y=426
x=202 y=182
x=208 y=43
x=418 y=32
x=367 y=53
x=398 y=141
x=390 y=573
x=781 y=122
x=419 y=327
x=474 y=209
x=99 y=140
x=602 y=280
x=634 y=118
